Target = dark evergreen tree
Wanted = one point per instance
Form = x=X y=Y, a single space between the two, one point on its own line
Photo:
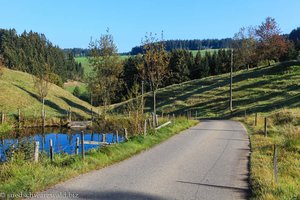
x=191 y=45
x=295 y=37
x=196 y=72
x=76 y=91
x=179 y=66
x=204 y=67
x=130 y=71
x=30 y=51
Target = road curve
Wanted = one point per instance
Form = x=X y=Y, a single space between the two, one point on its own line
x=208 y=161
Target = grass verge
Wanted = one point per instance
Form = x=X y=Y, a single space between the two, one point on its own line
x=24 y=176
x=284 y=131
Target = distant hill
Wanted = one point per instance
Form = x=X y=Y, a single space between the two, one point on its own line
x=191 y=45
x=195 y=44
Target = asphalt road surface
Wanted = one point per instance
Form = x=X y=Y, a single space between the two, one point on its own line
x=208 y=161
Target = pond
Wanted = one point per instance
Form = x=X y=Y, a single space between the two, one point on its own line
x=64 y=140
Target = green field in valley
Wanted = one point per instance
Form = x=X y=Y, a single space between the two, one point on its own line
x=85 y=63
x=194 y=52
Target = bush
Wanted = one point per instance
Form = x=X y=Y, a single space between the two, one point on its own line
x=19 y=152
x=134 y=123
x=283 y=117
x=292 y=137
x=76 y=91
x=5 y=128
x=56 y=79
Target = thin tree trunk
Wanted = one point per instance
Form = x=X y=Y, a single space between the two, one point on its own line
x=231 y=71
x=43 y=111
x=154 y=104
x=142 y=97
x=105 y=104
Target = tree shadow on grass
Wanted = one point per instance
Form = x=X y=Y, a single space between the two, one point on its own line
x=182 y=92
x=167 y=97
x=290 y=102
x=72 y=104
x=47 y=102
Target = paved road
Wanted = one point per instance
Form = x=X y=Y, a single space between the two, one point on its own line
x=208 y=161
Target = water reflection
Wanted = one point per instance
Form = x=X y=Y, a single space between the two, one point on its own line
x=64 y=140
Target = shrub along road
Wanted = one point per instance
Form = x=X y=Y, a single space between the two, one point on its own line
x=208 y=161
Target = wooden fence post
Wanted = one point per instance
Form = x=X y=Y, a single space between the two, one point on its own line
x=149 y=122
x=19 y=116
x=145 y=127
x=275 y=163
x=103 y=137
x=82 y=144
x=51 y=150
x=2 y=117
x=117 y=137
x=265 y=128
x=153 y=120
x=245 y=113
x=255 y=120
x=196 y=114
x=36 y=151
x=77 y=146
x=126 y=134
x=12 y=152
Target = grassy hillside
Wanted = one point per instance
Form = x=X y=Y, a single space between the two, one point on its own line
x=261 y=89
x=17 y=91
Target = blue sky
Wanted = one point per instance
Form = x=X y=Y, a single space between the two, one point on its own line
x=71 y=23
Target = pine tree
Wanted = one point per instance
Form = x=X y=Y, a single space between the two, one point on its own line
x=197 y=66
x=76 y=91
x=179 y=66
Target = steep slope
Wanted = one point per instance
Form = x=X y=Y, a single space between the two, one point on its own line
x=17 y=91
